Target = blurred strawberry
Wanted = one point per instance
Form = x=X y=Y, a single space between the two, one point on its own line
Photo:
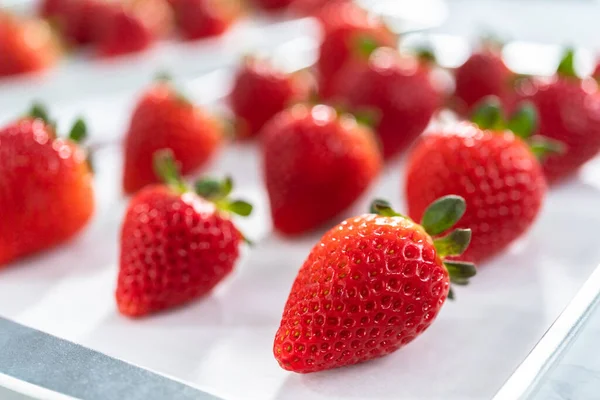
x=259 y=92
x=26 y=45
x=271 y=5
x=198 y=19
x=311 y=7
x=397 y=91
x=163 y=119
x=484 y=74
x=53 y=8
x=132 y=26
x=348 y=27
x=80 y=19
x=315 y=164
x=46 y=193
x=569 y=110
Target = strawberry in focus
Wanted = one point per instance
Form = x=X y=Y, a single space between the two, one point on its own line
x=569 y=110
x=495 y=170
x=46 y=193
x=197 y=19
x=371 y=285
x=163 y=118
x=26 y=46
x=397 y=89
x=346 y=29
x=259 y=92
x=484 y=74
x=312 y=153
x=177 y=244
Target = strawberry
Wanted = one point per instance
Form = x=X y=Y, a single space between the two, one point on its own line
x=484 y=74
x=569 y=111
x=312 y=7
x=396 y=88
x=311 y=153
x=199 y=19
x=46 y=194
x=259 y=92
x=132 y=26
x=26 y=46
x=371 y=285
x=492 y=168
x=177 y=244
x=347 y=27
x=165 y=119
x=271 y=5
x=80 y=19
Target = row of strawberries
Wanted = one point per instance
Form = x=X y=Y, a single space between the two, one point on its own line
x=116 y=27
x=372 y=283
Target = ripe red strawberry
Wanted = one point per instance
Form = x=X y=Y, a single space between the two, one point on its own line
x=271 y=5
x=371 y=285
x=132 y=26
x=311 y=7
x=199 y=19
x=484 y=74
x=46 y=193
x=165 y=119
x=259 y=92
x=397 y=88
x=569 y=110
x=176 y=243
x=347 y=27
x=26 y=46
x=311 y=153
x=495 y=171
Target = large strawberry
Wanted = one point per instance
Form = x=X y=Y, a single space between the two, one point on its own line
x=370 y=286
x=347 y=28
x=494 y=169
x=311 y=153
x=569 y=110
x=46 y=193
x=197 y=19
x=259 y=92
x=26 y=45
x=484 y=74
x=396 y=88
x=165 y=119
x=177 y=243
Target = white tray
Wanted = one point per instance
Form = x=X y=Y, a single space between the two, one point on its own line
x=223 y=343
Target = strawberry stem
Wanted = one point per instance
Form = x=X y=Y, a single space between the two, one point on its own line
x=566 y=67
x=167 y=169
x=383 y=208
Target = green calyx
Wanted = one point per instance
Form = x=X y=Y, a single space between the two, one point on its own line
x=439 y=217
x=523 y=123
x=217 y=192
x=165 y=78
x=566 y=67
x=77 y=133
x=364 y=46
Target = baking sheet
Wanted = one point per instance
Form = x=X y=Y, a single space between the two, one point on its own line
x=223 y=343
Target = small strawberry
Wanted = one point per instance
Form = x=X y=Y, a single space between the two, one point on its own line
x=271 y=5
x=347 y=27
x=493 y=169
x=311 y=7
x=398 y=89
x=165 y=119
x=46 y=193
x=311 y=153
x=370 y=286
x=259 y=92
x=26 y=46
x=197 y=19
x=484 y=74
x=177 y=244
x=132 y=26
x=569 y=110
